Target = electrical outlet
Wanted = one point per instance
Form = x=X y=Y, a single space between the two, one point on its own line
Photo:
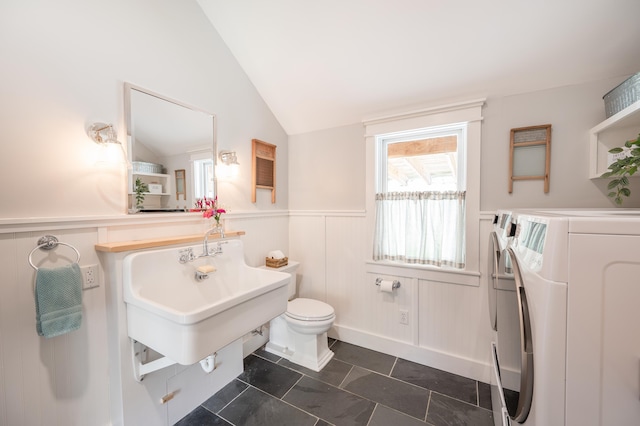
x=90 y=277
x=404 y=316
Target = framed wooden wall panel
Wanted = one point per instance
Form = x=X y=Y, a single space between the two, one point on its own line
x=530 y=154
x=181 y=184
x=263 y=170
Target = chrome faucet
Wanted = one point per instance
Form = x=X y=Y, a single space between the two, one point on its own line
x=205 y=243
x=186 y=255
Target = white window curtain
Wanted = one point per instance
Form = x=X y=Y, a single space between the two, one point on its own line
x=421 y=227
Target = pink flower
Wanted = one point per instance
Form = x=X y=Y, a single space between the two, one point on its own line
x=210 y=208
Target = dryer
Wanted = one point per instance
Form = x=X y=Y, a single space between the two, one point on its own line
x=502 y=316
x=534 y=378
x=577 y=294
x=500 y=269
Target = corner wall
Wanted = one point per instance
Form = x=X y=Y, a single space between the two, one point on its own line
x=65 y=64
x=448 y=316
x=64 y=67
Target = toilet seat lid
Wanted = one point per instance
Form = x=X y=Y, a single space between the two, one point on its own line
x=309 y=310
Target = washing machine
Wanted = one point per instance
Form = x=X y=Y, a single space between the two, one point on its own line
x=502 y=318
x=529 y=368
x=576 y=275
x=500 y=269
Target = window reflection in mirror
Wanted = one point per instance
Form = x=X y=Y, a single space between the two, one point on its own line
x=203 y=178
x=165 y=135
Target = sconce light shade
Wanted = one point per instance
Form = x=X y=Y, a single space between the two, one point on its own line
x=112 y=151
x=229 y=166
x=228 y=157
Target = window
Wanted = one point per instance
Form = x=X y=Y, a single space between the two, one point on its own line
x=460 y=220
x=203 y=183
x=429 y=159
x=420 y=196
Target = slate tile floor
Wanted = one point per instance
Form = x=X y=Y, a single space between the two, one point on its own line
x=358 y=387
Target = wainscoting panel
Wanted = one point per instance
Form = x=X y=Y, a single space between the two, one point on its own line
x=346 y=283
x=65 y=380
x=307 y=244
x=453 y=319
x=59 y=380
x=263 y=233
x=447 y=315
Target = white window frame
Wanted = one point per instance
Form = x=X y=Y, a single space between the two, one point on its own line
x=469 y=113
x=383 y=141
x=199 y=163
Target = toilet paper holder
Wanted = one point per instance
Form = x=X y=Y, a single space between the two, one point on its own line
x=396 y=283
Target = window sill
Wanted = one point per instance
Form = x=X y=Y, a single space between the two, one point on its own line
x=424 y=272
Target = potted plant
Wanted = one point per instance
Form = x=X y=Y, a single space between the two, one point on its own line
x=140 y=189
x=622 y=168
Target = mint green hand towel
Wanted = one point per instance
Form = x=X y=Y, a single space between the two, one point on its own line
x=58 y=300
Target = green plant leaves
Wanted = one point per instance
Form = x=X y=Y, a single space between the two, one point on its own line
x=623 y=168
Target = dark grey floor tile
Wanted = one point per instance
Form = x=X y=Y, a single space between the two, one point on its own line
x=383 y=416
x=267 y=376
x=330 y=403
x=445 y=411
x=333 y=373
x=484 y=395
x=268 y=355
x=437 y=380
x=201 y=417
x=400 y=396
x=224 y=396
x=256 y=408
x=356 y=355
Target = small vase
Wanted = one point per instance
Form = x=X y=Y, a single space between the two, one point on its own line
x=218 y=228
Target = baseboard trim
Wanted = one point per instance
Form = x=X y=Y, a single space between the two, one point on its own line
x=473 y=369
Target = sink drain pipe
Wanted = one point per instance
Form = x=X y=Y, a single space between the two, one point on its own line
x=141 y=367
x=209 y=363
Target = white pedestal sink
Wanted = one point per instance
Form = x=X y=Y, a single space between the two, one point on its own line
x=186 y=319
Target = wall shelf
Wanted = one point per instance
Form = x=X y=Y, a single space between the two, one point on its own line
x=121 y=246
x=612 y=132
x=152 y=199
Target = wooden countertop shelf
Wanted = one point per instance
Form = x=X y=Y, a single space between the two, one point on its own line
x=121 y=246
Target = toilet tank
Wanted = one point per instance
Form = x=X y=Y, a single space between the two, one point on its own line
x=290 y=268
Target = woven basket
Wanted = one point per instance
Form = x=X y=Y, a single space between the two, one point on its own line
x=277 y=263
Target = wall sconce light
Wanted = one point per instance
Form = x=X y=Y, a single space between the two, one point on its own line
x=228 y=157
x=112 y=151
x=229 y=166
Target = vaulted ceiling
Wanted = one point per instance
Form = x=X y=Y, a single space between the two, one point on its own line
x=330 y=63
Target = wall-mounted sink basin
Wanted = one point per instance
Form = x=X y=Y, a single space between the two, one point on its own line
x=186 y=319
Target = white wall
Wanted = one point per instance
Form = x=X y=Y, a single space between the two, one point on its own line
x=571 y=111
x=449 y=326
x=64 y=66
x=329 y=165
x=328 y=175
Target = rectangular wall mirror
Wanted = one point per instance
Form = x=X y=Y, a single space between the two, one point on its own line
x=165 y=136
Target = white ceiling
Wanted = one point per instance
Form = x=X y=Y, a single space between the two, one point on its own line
x=329 y=63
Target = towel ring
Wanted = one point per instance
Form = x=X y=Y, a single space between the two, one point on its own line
x=49 y=242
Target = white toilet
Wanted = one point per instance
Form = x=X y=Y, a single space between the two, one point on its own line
x=300 y=334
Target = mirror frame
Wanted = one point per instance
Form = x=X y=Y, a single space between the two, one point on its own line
x=128 y=88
